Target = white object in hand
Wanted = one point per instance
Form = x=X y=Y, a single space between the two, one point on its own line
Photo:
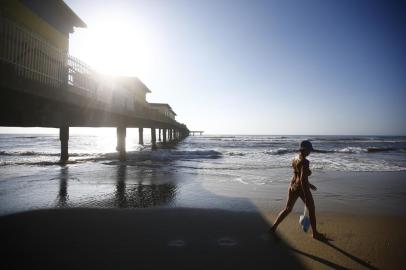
x=304 y=220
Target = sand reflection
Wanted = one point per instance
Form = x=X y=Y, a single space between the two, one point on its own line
x=127 y=187
x=145 y=189
x=62 y=200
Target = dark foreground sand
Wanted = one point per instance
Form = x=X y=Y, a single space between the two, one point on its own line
x=160 y=238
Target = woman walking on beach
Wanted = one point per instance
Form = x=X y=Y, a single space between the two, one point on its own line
x=300 y=187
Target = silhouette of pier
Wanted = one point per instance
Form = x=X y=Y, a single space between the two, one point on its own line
x=41 y=85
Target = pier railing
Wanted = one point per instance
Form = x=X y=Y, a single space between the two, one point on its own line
x=81 y=76
x=30 y=56
x=26 y=54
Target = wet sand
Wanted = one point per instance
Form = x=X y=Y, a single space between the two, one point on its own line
x=190 y=238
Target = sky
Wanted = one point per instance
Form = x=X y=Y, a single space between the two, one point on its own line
x=257 y=67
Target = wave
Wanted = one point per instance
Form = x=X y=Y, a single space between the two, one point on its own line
x=357 y=150
x=133 y=157
x=352 y=150
x=35 y=153
x=346 y=150
x=38 y=163
x=360 y=139
x=279 y=151
x=24 y=137
x=219 y=137
x=236 y=154
x=192 y=154
x=383 y=149
x=165 y=155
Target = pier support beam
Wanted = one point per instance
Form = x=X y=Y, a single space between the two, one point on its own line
x=164 y=135
x=141 y=136
x=170 y=135
x=153 y=138
x=159 y=134
x=64 y=138
x=121 y=134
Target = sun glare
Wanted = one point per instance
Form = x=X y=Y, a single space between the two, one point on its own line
x=113 y=46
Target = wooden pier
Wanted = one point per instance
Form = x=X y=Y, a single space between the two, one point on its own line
x=41 y=85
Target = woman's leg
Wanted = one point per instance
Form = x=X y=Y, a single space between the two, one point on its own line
x=312 y=213
x=292 y=197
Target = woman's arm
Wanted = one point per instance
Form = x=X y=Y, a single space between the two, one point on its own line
x=312 y=187
x=309 y=172
x=304 y=181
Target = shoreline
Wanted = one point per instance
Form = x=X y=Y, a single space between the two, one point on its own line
x=108 y=186
x=205 y=238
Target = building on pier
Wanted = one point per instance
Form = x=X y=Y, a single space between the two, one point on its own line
x=120 y=92
x=136 y=91
x=36 y=39
x=165 y=109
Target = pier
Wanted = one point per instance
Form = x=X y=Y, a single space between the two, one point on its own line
x=41 y=85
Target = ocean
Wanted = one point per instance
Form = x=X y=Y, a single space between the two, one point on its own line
x=241 y=172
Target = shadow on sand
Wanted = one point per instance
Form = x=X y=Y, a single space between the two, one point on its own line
x=320 y=260
x=331 y=264
x=350 y=256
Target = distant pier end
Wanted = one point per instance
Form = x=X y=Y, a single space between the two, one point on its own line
x=194 y=132
x=41 y=85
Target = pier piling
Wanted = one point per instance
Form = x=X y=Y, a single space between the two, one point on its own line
x=153 y=138
x=121 y=134
x=141 y=136
x=64 y=138
x=164 y=135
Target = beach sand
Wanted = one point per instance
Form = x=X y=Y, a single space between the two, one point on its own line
x=356 y=241
x=188 y=238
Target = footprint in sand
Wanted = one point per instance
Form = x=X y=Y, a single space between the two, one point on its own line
x=226 y=242
x=176 y=243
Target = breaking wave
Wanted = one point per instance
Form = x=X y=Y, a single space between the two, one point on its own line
x=35 y=153
x=279 y=151
x=162 y=155
x=345 y=150
x=357 y=150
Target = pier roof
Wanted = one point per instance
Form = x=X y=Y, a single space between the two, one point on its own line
x=56 y=13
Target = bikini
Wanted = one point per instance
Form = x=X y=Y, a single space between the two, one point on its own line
x=295 y=184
